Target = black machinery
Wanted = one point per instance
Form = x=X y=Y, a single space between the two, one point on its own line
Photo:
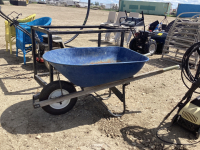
x=151 y=41
x=188 y=114
x=142 y=41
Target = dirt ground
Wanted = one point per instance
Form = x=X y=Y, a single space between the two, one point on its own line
x=88 y=126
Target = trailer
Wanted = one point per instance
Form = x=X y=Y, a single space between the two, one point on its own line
x=183 y=8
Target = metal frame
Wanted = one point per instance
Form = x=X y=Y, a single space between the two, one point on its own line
x=47 y=30
x=87 y=90
x=110 y=85
x=178 y=39
x=92 y=89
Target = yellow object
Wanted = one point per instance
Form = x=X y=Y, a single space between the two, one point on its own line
x=160 y=34
x=10 y=33
x=191 y=113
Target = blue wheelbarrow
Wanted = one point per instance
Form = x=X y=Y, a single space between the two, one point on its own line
x=93 y=69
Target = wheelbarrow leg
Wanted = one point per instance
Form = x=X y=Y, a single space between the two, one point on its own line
x=120 y=95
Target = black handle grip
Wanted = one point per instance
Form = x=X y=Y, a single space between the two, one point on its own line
x=126 y=14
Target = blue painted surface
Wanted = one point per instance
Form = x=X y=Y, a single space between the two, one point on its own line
x=91 y=66
x=22 y=39
x=187 y=8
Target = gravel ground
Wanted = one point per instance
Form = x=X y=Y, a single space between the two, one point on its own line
x=88 y=126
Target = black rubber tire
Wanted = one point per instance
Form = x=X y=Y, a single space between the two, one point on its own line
x=169 y=26
x=132 y=45
x=48 y=89
x=147 y=46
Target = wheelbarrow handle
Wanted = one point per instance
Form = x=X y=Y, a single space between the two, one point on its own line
x=148 y=54
x=171 y=68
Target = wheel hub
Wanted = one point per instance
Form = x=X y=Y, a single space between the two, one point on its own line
x=57 y=93
x=152 y=48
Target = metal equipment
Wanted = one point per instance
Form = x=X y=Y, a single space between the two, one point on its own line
x=188 y=115
x=142 y=41
x=59 y=97
x=151 y=41
x=184 y=32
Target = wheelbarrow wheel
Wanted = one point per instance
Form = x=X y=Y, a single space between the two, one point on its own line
x=169 y=26
x=53 y=90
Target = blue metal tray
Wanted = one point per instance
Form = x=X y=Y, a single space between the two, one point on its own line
x=91 y=66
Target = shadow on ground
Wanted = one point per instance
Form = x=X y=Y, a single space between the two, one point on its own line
x=11 y=59
x=19 y=92
x=20 y=75
x=22 y=118
x=142 y=137
x=160 y=63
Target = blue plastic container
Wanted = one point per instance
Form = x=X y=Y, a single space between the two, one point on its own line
x=91 y=66
x=182 y=8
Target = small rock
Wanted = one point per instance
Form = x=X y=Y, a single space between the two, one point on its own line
x=134 y=144
x=99 y=146
x=86 y=107
x=140 y=141
x=38 y=137
x=82 y=148
x=153 y=139
x=117 y=143
x=153 y=146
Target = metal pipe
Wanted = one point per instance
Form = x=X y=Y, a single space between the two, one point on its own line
x=33 y=51
x=89 y=90
x=50 y=66
x=40 y=81
x=99 y=40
